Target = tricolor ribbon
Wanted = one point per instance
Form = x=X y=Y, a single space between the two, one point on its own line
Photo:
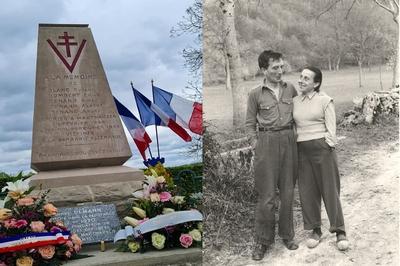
x=32 y=240
x=158 y=222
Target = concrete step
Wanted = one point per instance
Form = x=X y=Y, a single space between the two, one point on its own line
x=191 y=256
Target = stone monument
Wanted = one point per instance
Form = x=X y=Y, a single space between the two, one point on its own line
x=78 y=142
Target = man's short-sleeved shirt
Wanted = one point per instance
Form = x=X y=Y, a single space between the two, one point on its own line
x=266 y=111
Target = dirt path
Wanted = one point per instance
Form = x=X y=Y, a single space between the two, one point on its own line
x=370 y=199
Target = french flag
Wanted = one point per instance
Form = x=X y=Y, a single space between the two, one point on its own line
x=186 y=113
x=135 y=128
x=151 y=114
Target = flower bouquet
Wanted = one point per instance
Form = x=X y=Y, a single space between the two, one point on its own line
x=28 y=234
x=161 y=218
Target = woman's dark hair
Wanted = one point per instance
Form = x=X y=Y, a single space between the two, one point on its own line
x=317 y=76
x=264 y=57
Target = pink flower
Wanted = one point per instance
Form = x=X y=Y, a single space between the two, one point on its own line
x=59 y=223
x=49 y=210
x=37 y=226
x=186 y=240
x=55 y=229
x=10 y=223
x=165 y=196
x=21 y=223
x=77 y=242
x=25 y=201
x=69 y=244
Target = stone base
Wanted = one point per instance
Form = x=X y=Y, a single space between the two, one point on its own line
x=86 y=176
x=191 y=256
x=68 y=188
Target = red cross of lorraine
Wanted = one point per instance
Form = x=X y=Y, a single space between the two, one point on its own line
x=67 y=43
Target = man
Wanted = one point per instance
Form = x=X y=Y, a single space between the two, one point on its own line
x=269 y=122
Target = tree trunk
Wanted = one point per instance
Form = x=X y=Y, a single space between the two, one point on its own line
x=360 y=73
x=337 y=67
x=380 y=75
x=329 y=63
x=232 y=52
x=396 y=67
x=227 y=73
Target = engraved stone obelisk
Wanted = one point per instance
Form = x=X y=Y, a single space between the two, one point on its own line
x=76 y=124
x=78 y=138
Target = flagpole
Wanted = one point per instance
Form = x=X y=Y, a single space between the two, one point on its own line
x=151 y=155
x=158 y=147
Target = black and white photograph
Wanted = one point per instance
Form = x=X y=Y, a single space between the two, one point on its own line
x=301 y=102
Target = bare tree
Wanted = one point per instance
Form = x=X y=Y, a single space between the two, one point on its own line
x=392 y=6
x=364 y=34
x=233 y=65
x=191 y=24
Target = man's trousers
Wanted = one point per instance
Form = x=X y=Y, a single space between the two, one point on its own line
x=275 y=167
x=319 y=178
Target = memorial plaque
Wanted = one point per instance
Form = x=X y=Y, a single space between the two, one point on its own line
x=76 y=124
x=92 y=223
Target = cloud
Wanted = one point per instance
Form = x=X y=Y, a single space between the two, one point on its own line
x=133 y=42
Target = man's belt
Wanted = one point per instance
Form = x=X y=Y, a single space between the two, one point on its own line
x=263 y=129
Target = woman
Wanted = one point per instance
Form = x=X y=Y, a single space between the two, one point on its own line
x=314 y=115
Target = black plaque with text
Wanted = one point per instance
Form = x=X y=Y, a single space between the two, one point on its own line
x=92 y=223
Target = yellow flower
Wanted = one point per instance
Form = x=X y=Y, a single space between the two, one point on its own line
x=25 y=261
x=153 y=172
x=167 y=210
x=131 y=221
x=134 y=246
x=5 y=214
x=160 y=179
x=195 y=234
x=140 y=212
x=157 y=240
x=47 y=252
x=154 y=197
x=178 y=199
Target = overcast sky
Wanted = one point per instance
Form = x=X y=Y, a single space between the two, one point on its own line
x=133 y=40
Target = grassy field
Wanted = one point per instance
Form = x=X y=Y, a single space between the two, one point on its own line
x=342 y=86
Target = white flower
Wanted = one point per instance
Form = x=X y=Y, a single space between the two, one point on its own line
x=17 y=188
x=138 y=194
x=195 y=234
x=19 y=185
x=150 y=182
